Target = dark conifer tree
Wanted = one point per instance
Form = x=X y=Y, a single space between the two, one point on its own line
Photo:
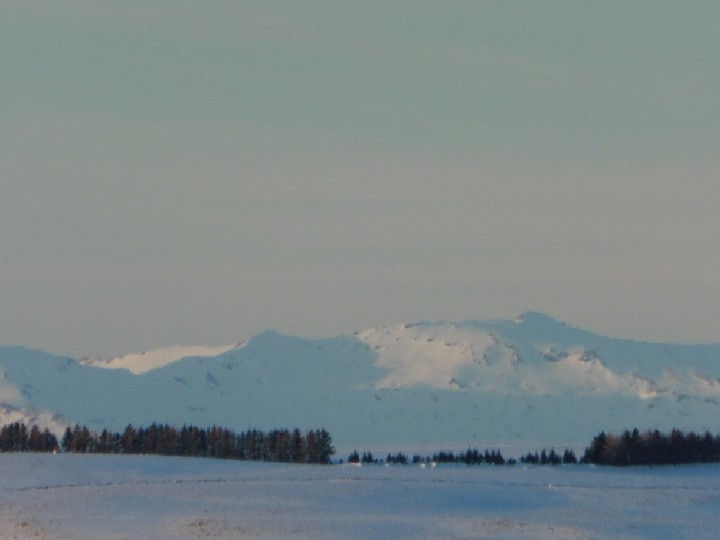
x=569 y=457
x=297 y=447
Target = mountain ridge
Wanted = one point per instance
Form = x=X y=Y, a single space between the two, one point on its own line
x=432 y=382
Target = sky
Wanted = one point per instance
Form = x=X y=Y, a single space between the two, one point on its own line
x=176 y=172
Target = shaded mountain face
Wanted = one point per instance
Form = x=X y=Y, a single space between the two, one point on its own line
x=532 y=381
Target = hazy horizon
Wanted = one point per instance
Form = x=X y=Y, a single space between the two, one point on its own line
x=181 y=173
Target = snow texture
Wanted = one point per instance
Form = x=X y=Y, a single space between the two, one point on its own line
x=125 y=497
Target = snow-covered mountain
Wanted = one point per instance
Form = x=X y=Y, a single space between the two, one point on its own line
x=532 y=381
x=144 y=361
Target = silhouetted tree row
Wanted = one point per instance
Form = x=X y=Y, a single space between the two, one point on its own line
x=396 y=459
x=549 y=458
x=16 y=437
x=367 y=458
x=279 y=445
x=471 y=457
x=653 y=448
x=629 y=448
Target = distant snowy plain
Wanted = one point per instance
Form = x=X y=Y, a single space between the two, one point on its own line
x=120 y=497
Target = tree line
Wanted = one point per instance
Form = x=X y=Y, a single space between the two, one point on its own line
x=470 y=457
x=549 y=458
x=631 y=447
x=653 y=448
x=278 y=445
x=315 y=446
x=16 y=437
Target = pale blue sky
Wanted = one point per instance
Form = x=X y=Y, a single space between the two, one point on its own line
x=195 y=172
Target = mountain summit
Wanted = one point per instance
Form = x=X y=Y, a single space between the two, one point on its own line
x=533 y=380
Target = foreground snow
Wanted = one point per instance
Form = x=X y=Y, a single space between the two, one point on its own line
x=71 y=496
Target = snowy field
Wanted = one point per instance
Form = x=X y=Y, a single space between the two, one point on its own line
x=114 y=497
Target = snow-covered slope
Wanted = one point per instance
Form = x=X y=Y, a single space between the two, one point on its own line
x=532 y=381
x=144 y=361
